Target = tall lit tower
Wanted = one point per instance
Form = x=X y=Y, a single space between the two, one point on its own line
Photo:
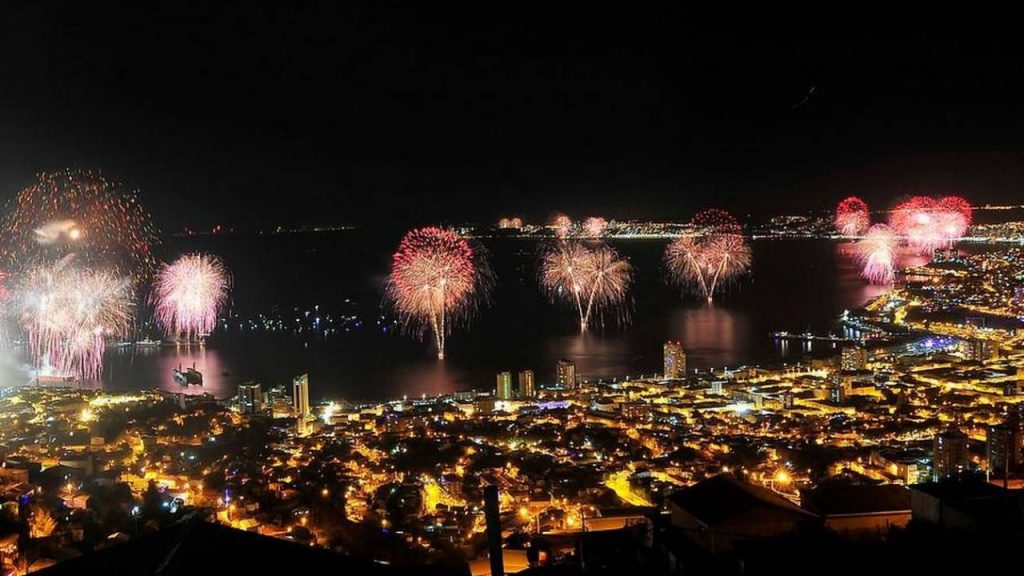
x=526 y=387
x=565 y=374
x=300 y=397
x=675 y=360
x=503 y=389
x=250 y=398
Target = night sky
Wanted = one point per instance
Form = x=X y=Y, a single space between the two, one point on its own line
x=372 y=112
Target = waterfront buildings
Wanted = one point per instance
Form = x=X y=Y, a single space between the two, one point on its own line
x=527 y=388
x=674 y=360
x=565 y=374
x=503 y=387
x=250 y=398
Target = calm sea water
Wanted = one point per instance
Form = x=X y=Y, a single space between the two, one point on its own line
x=794 y=285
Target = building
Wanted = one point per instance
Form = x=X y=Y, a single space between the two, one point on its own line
x=675 y=360
x=718 y=512
x=1005 y=448
x=859 y=511
x=250 y=398
x=300 y=397
x=950 y=456
x=980 y=350
x=565 y=374
x=526 y=385
x=853 y=358
x=503 y=389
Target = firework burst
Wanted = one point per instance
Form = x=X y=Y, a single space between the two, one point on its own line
x=852 y=217
x=562 y=225
x=593 y=278
x=82 y=213
x=713 y=254
x=69 y=314
x=877 y=251
x=189 y=293
x=595 y=226
x=927 y=223
x=437 y=279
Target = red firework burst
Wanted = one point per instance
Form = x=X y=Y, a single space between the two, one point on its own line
x=436 y=280
x=928 y=224
x=852 y=217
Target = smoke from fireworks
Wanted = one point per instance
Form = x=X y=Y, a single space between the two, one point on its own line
x=877 y=251
x=69 y=314
x=595 y=226
x=436 y=281
x=593 y=278
x=188 y=294
x=928 y=224
x=852 y=217
x=82 y=213
x=713 y=254
x=562 y=225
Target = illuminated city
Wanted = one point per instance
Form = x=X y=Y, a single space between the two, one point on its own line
x=367 y=289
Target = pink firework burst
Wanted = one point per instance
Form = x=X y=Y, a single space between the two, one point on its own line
x=189 y=293
x=70 y=314
x=562 y=225
x=595 y=226
x=436 y=281
x=877 y=251
x=852 y=217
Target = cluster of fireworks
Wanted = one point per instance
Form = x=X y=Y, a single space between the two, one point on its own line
x=437 y=279
x=922 y=223
x=79 y=212
x=712 y=255
x=593 y=278
x=79 y=248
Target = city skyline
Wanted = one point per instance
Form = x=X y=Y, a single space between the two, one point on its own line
x=427 y=289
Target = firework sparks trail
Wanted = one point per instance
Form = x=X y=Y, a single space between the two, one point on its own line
x=714 y=253
x=594 y=278
x=69 y=314
x=189 y=293
x=877 y=252
x=852 y=218
x=78 y=212
x=437 y=279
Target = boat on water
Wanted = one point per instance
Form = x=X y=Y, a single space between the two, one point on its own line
x=147 y=343
x=188 y=377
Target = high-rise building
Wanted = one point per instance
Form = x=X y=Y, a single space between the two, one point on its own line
x=950 y=456
x=250 y=398
x=853 y=358
x=980 y=350
x=300 y=397
x=503 y=390
x=565 y=374
x=1005 y=446
x=675 y=360
x=526 y=386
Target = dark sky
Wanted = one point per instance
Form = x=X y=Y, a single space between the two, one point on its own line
x=354 y=112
